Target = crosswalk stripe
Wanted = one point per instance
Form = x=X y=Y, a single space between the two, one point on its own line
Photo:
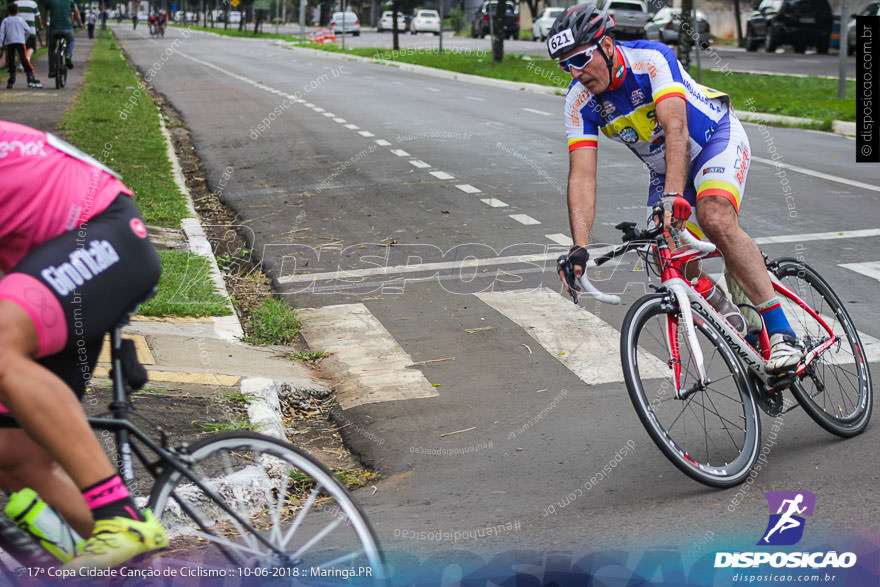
x=871 y=269
x=583 y=342
x=372 y=366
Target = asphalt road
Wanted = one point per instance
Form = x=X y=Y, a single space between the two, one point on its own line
x=474 y=420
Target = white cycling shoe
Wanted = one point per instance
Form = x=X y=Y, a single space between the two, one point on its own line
x=785 y=353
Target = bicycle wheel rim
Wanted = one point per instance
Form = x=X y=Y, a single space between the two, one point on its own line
x=842 y=404
x=251 y=472
x=712 y=436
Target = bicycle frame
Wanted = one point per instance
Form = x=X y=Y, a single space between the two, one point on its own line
x=672 y=278
x=687 y=296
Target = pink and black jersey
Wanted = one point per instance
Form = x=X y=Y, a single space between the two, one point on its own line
x=648 y=73
x=47 y=187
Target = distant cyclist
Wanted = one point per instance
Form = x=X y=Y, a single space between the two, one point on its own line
x=61 y=16
x=75 y=259
x=696 y=150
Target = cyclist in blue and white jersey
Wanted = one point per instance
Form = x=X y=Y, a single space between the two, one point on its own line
x=637 y=93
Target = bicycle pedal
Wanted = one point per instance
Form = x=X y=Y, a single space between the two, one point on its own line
x=782 y=380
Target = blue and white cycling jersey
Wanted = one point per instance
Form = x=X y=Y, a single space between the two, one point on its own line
x=626 y=112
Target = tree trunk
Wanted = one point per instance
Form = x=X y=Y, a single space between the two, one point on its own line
x=498 y=32
x=395 y=42
x=739 y=27
x=686 y=33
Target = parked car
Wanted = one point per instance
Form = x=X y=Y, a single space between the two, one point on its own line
x=386 y=23
x=872 y=9
x=630 y=18
x=801 y=23
x=425 y=21
x=345 y=22
x=480 y=25
x=666 y=23
x=541 y=25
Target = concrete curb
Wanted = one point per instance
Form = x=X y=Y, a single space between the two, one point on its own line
x=265 y=411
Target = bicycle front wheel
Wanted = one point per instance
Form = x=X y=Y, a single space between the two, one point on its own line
x=835 y=390
x=714 y=434
x=294 y=517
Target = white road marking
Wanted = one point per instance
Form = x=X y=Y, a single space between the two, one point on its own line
x=329 y=114
x=816 y=236
x=383 y=143
x=309 y=105
x=494 y=202
x=365 y=133
x=352 y=126
x=340 y=120
x=583 y=342
x=418 y=163
x=525 y=219
x=541 y=112
x=433 y=90
x=400 y=152
x=371 y=365
x=317 y=109
x=441 y=175
x=396 y=270
x=820 y=175
x=560 y=239
x=475 y=99
x=468 y=188
x=871 y=269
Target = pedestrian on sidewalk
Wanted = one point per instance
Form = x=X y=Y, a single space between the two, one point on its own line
x=27 y=9
x=91 y=19
x=61 y=15
x=13 y=34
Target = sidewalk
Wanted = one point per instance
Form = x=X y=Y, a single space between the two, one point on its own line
x=196 y=359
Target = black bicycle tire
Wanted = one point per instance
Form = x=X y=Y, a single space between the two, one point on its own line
x=166 y=482
x=855 y=424
x=635 y=319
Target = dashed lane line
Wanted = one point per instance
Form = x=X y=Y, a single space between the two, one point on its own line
x=525 y=219
x=468 y=188
x=494 y=202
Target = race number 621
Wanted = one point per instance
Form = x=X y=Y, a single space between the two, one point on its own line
x=560 y=40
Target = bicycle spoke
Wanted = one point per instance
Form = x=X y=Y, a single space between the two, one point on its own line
x=317 y=538
x=300 y=516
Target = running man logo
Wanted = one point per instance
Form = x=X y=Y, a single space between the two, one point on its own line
x=786 y=526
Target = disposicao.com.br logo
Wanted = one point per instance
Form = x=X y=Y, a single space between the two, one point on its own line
x=786 y=528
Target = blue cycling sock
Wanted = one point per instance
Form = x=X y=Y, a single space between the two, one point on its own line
x=775 y=319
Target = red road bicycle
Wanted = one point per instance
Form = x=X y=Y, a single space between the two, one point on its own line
x=696 y=383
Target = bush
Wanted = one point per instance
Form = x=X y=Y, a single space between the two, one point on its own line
x=457 y=20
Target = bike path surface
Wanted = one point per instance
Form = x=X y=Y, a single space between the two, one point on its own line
x=499 y=431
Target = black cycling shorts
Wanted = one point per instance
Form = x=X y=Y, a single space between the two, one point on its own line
x=77 y=286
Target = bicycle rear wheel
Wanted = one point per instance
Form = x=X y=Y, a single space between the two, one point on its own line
x=284 y=497
x=835 y=390
x=714 y=434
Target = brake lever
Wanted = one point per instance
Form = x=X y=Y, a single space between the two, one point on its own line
x=563 y=264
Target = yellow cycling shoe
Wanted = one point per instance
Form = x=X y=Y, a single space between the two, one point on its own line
x=119 y=539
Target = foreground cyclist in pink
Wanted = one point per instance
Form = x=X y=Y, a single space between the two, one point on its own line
x=639 y=94
x=76 y=260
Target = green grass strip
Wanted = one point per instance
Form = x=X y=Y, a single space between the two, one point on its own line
x=185 y=288
x=116 y=121
x=805 y=97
